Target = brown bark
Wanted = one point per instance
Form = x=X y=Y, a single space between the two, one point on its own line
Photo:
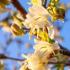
x=19 y=7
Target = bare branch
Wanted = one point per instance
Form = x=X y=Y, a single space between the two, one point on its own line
x=65 y=63
x=64 y=51
x=19 y=7
x=3 y=57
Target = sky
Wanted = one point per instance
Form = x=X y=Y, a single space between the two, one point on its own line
x=15 y=50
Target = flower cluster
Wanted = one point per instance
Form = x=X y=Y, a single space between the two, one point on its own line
x=37 y=20
x=39 y=23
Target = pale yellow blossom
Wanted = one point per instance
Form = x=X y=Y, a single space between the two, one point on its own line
x=36 y=2
x=35 y=63
x=45 y=49
x=38 y=18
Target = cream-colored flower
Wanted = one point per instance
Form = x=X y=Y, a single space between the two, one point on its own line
x=44 y=49
x=36 y=15
x=44 y=46
x=35 y=63
x=38 y=18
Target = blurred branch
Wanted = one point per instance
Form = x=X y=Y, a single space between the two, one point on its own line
x=19 y=7
x=44 y=4
x=64 y=51
x=65 y=63
x=3 y=57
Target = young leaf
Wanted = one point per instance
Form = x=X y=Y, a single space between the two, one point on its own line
x=57 y=12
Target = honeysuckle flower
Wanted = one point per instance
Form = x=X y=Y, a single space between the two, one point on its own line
x=37 y=19
x=35 y=63
x=40 y=56
x=42 y=44
x=35 y=16
x=45 y=49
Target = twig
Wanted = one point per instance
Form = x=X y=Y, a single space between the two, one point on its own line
x=65 y=63
x=3 y=57
x=19 y=7
x=45 y=2
x=64 y=51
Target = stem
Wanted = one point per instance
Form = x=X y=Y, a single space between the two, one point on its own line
x=19 y=7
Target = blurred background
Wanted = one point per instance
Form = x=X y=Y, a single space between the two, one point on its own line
x=15 y=47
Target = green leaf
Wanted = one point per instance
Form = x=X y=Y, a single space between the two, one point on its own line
x=51 y=40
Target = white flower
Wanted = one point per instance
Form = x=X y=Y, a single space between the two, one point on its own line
x=35 y=63
x=36 y=16
x=44 y=49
